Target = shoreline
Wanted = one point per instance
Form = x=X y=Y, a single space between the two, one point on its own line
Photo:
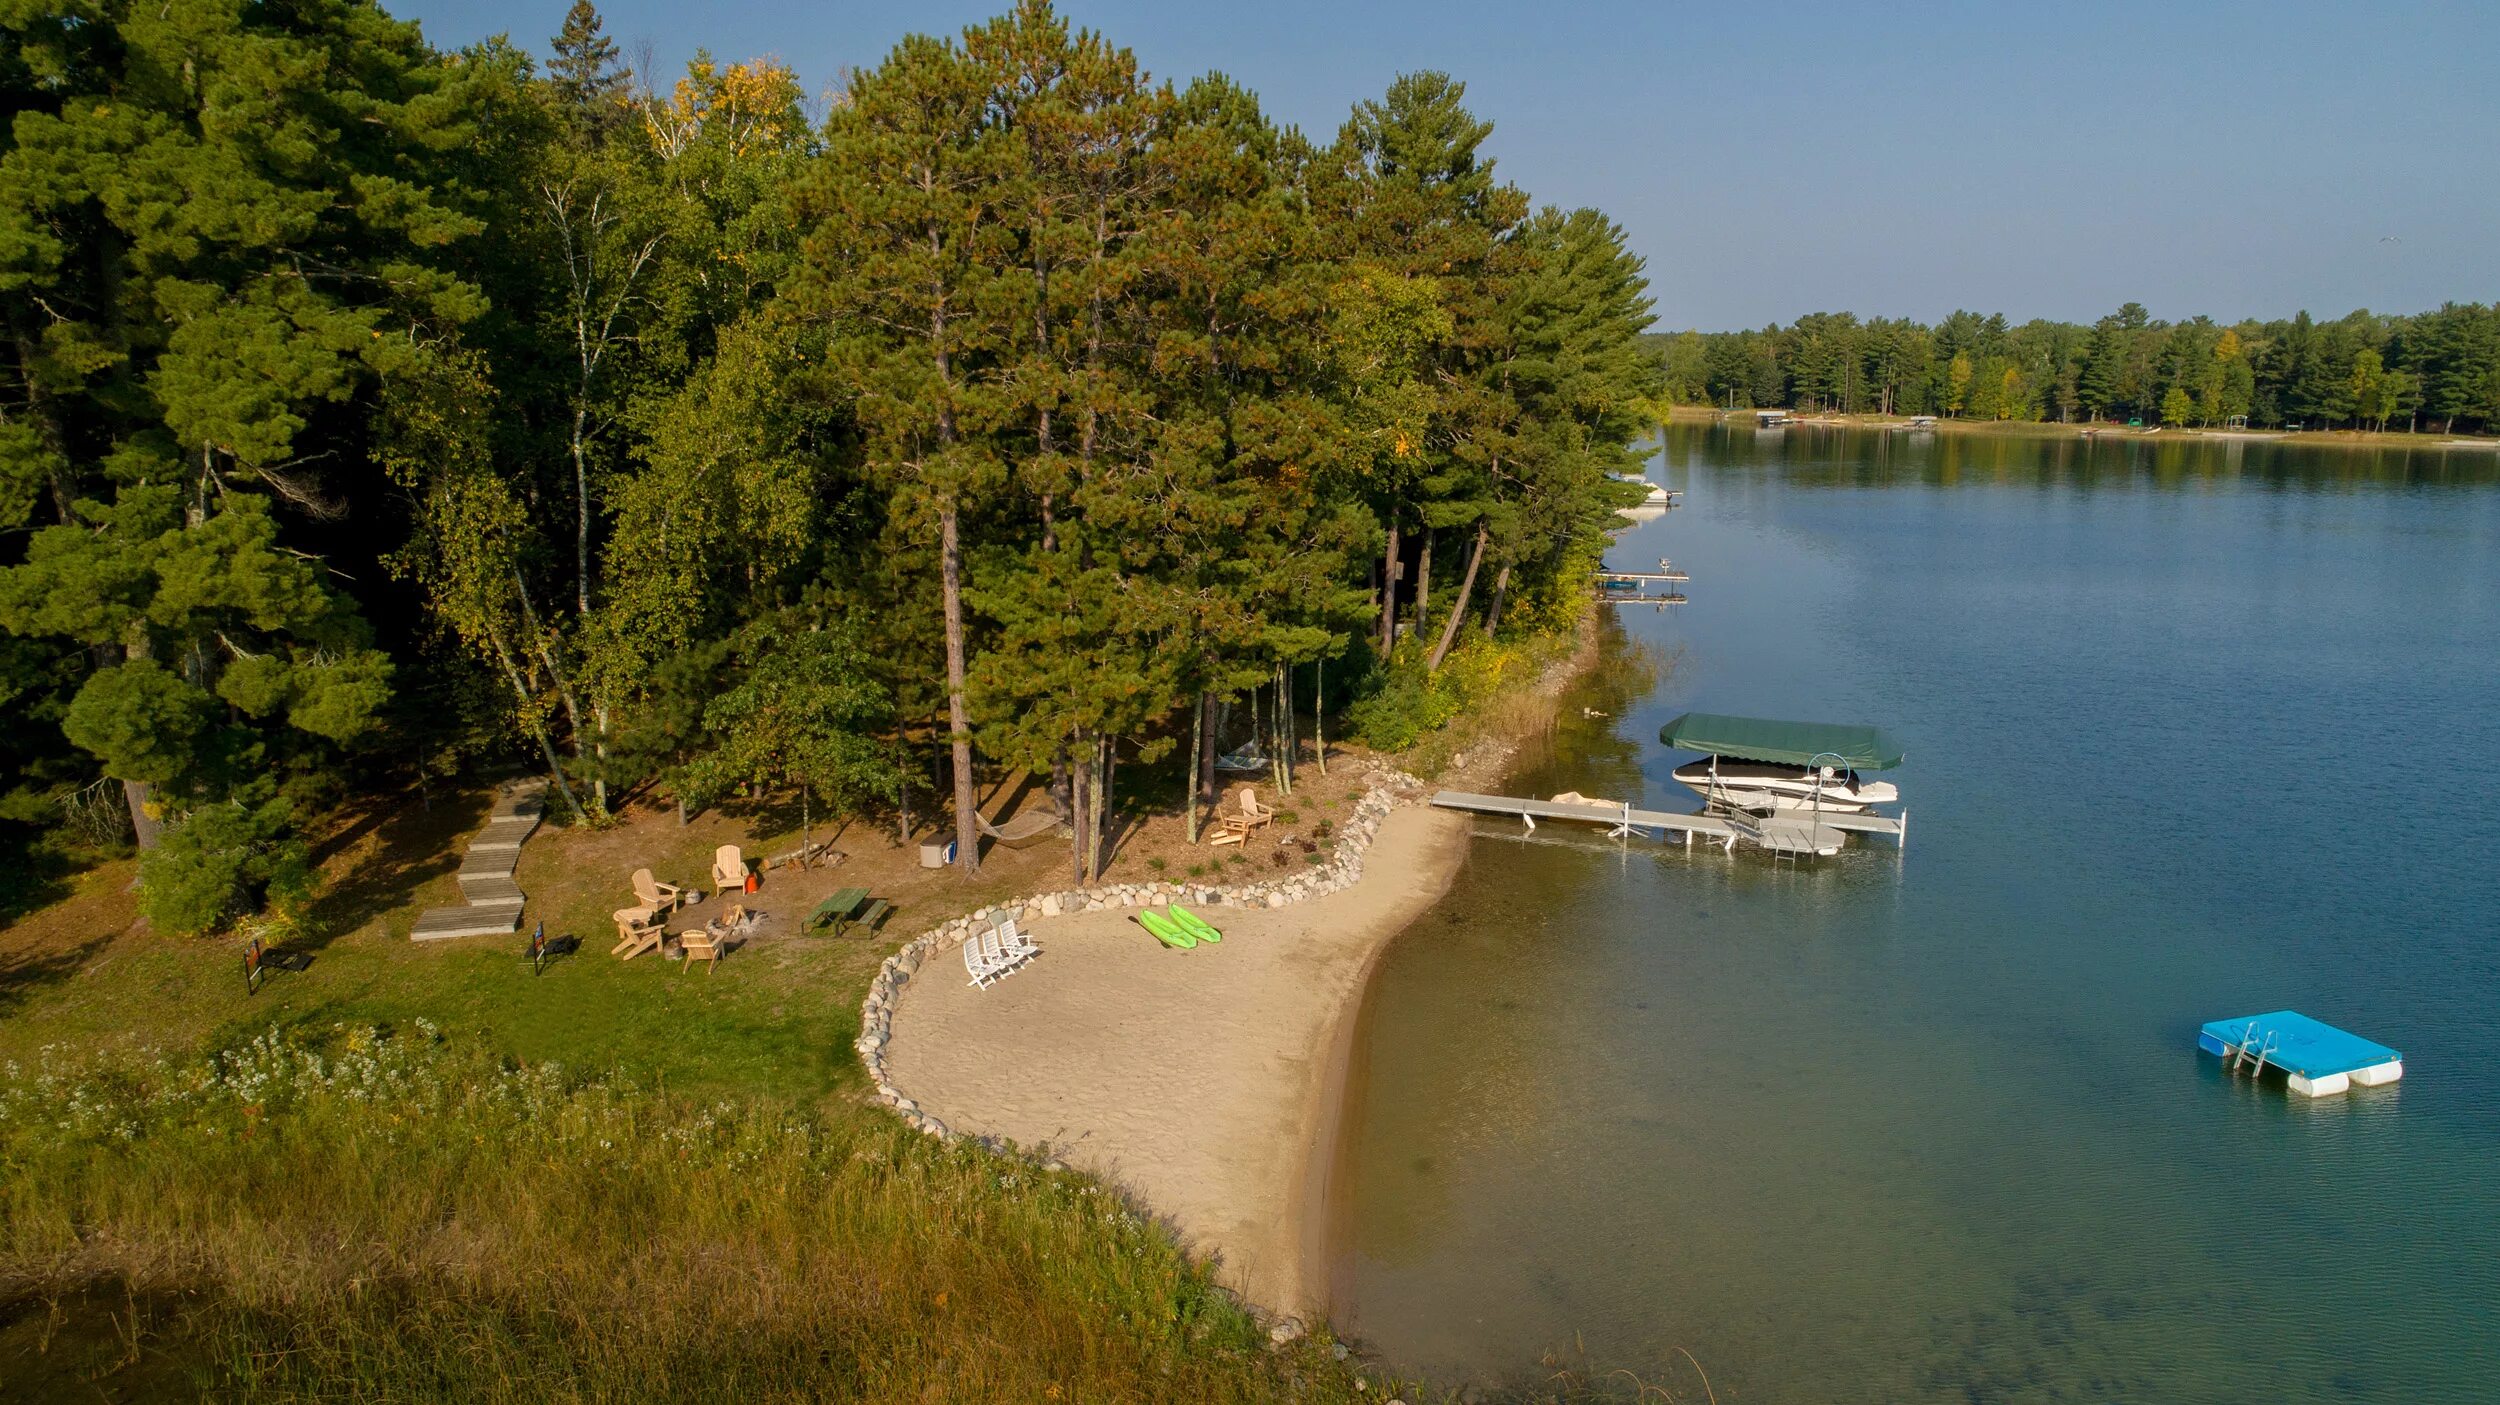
x=1195 y=1081
x=1321 y=1209
x=1210 y=1086
x=2106 y=429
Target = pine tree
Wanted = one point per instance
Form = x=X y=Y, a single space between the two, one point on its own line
x=585 y=70
x=901 y=250
x=208 y=266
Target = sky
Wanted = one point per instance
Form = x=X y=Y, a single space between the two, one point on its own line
x=1900 y=159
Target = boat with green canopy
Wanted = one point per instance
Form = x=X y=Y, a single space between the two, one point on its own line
x=1761 y=764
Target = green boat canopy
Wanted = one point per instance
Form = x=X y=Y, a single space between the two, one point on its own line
x=1787 y=743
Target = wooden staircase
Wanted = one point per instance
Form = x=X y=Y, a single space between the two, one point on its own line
x=491 y=900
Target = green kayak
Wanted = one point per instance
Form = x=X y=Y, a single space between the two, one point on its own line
x=1166 y=931
x=1194 y=925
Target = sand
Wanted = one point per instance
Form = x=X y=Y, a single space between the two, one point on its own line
x=1203 y=1082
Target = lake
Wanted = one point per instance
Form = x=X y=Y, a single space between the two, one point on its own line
x=2193 y=730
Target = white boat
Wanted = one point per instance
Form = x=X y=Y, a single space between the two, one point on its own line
x=1755 y=763
x=1658 y=497
x=1764 y=785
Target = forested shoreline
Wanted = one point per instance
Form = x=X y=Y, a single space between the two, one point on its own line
x=373 y=412
x=2433 y=370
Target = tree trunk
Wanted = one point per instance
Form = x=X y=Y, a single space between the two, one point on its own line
x=1389 y=594
x=145 y=829
x=1501 y=591
x=1197 y=743
x=958 y=716
x=1423 y=583
x=1076 y=826
x=1284 y=704
x=1458 y=611
x=1205 y=791
x=521 y=696
x=581 y=501
x=1319 y=713
x=1276 y=740
x=1102 y=804
x=902 y=788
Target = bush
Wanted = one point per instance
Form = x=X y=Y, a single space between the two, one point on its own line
x=220 y=863
x=1406 y=703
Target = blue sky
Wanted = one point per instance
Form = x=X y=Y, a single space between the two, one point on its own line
x=1901 y=159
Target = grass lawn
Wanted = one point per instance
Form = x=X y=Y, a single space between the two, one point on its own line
x=417 y=1171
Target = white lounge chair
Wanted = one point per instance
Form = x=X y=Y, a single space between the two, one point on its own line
x=1015 y=942
x=995 y=952
x=978 y=966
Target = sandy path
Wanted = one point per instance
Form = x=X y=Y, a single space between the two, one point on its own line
x=1203 y=1081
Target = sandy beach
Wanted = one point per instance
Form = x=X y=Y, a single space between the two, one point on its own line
x=1204 y=1082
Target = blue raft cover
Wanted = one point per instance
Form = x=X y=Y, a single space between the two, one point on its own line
x=2301 y=1044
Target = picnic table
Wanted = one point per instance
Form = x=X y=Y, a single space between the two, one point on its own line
x=848 y=905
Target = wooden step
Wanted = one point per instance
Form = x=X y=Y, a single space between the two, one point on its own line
x=491 y=892
x=518 y=807
x=437 y=924
x=504 y=833
x=480 y=864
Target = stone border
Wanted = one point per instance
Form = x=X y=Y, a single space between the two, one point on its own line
x=1343 y=869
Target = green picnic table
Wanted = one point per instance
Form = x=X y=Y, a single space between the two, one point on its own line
x=847 y=905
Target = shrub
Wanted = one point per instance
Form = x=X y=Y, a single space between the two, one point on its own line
x=220 y=863
x=1157 y=863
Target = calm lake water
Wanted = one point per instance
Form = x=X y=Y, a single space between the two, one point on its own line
x=2193 y=731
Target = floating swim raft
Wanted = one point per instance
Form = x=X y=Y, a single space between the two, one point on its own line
x=2320 y=1059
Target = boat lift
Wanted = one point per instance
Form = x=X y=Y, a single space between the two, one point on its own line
x=1790 y=832
x=1782 y=833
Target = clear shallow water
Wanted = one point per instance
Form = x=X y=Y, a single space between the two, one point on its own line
x=2193 y=731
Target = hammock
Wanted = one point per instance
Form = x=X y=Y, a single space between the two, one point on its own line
x=1021 y=830
x=1250 y=757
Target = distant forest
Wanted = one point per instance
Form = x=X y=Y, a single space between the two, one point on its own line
x=2434 y=370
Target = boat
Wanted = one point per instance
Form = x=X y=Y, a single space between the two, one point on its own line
x=1657 y=496
x=1761 y=765
x=1764 y=785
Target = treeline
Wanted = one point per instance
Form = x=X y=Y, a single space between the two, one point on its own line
x=2437 y=369
x=367 y=409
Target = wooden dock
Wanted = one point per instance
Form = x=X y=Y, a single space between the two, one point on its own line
x=491 y=901
x=1783 y=833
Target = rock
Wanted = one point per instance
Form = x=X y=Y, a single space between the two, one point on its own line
x=1286 y=1331
x=1050 y=904
x=1340 y=1351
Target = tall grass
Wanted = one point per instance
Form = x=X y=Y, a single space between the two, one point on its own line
x=394 y=1216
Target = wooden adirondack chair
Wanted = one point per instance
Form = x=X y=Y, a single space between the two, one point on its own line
x=1234 y=826
x=700 y=944
x=638 y=929
x=729 y=869
x=659 y=896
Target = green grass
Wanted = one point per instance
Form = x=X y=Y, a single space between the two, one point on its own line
x=408 y=1215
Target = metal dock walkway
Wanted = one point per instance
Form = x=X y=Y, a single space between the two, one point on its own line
x=1786 y=833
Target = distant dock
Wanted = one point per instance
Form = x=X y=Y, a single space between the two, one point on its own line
x=1633 y=587
x=1782 y=833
